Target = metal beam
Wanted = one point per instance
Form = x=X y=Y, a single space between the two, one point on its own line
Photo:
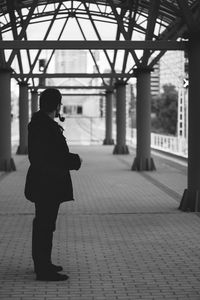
x=120 y=45
x=52 y=53
x=23 y=29
x=81 y=94
x=91 y=53
x=98 y=35
x=12 y=16
x=45 y=37
x=151 y=23
x=39 y=87
x=122 y=29
x=69 y=75
x=187 y=15
x=2 y=54
x=131 y=23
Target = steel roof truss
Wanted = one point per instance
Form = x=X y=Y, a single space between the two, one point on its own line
x=177 y=28
x=14 y=30
x=6 y=19
x=91 y=53
x=187 y=15
x=70 y=75
x=122 y=29
x=83 y=94
x=53 y=51
x=27 y=51
x=130 y=32
x=115 y=53
x=2 y=54
x=157 y=58
x=23 y=30
x=98 y=35
x=75 y=87
x=90 y=44
x=151 y=22
x=46 y=36
x=29 y=60
x=126 y=51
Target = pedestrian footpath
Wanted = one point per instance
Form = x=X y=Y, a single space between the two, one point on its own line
x=122 y=238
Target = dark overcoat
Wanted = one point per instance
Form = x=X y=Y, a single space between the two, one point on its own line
x=48 y=177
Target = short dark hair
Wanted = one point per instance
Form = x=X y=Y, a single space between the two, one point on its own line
x=49 y=99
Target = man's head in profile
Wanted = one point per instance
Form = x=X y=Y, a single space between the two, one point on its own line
x=50 y=101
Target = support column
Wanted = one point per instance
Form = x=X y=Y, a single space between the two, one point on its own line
x=191 y=196
x=6 y=162
x=121 y=147
x=34 y=101
x=23 y=118
x=108 y=118
x=143 y=160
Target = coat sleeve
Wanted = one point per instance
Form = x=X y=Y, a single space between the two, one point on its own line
x=73 y=161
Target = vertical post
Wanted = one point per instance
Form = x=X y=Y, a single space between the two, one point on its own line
x=108 y=119
x=23 y=118
x=190 y=200
x=121 y=147
x=6 y=162
x=143 y=160
x=34 y=101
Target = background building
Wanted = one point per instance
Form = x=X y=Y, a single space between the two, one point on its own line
x=173 y=69
x=75 y=61
x=71 y=61
x=155 y=80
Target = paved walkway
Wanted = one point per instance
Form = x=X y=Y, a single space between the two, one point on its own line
x=123 y=237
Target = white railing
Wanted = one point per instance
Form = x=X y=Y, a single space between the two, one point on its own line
x=166 y=143
x=169 y=144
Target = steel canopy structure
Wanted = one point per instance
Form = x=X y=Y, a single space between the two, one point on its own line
x=132 y=35
x=160 y=21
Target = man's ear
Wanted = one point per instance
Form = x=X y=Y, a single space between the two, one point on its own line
x=58 y=108
x=56 y=111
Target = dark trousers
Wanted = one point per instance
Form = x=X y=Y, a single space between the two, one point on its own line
x=44 y=224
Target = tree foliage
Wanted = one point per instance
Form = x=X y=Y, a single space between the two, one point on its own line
x=164 y=111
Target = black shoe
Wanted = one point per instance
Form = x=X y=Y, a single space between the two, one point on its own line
x=56 y=268
x=52 y=268
x=51 y=276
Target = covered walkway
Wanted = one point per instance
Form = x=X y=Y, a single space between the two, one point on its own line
x=123 y=237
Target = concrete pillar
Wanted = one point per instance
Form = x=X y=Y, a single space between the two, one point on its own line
x=6 y=162
x=34 y=101
x=191 y=196
x=23 y=118
x=108 y=119
x=121 y=147
x=143 y=160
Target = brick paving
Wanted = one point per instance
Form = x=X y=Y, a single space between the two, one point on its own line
x=122 y=238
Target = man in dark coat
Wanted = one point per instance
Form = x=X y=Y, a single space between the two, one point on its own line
x=48 y=181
